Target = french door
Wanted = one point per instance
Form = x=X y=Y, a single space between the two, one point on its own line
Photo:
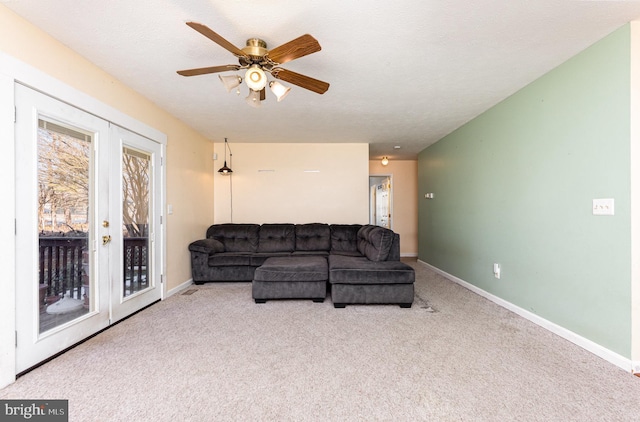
x=88 y=225
x=135 y=249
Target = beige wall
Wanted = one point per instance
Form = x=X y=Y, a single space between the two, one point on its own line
x=270 y=185
x=404 y=180
x=188 y=162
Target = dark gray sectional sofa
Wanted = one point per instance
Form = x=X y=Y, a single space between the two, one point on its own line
x=360 y=263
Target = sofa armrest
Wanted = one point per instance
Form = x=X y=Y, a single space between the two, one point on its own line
x=207 y=246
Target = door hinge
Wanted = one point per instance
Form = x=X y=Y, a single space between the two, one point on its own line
x=161 y=279
x=16 y=338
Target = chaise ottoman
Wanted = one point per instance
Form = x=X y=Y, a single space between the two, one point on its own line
x=357 y=280
x=291 y=277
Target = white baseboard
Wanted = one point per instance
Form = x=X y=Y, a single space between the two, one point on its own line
x=179 y=288
x=409 y=255
x=590 y=346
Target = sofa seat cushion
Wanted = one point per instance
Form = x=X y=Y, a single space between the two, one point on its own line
x=258 y=259
x=307 y=268
x=310 y=253
x=277 y=238
x=224 y=259
x=347 y=253
x=360 y=270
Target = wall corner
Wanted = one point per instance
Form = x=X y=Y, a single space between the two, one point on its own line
x=634 y=149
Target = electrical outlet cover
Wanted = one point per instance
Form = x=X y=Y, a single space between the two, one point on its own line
x=604 y=206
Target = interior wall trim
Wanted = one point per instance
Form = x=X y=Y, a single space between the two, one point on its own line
x=7 y=232
x=590 y=346
x=178 y=288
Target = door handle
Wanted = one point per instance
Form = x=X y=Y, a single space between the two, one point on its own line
x=106 y=239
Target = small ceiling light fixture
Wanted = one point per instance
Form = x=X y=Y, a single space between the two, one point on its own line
x=255 y=77
x=385 y=161
x=230 y=81
x=224 y=170
x=279 y=90
x=253 y=99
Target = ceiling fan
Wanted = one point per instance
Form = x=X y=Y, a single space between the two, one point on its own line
x=258 y=61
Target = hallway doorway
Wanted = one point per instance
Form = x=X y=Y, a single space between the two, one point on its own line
x=380 y=201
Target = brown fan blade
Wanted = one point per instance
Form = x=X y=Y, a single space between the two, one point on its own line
x=294 y=49
x=263 y=94
x=207 y=32
x=206 y=70
x=301 y=80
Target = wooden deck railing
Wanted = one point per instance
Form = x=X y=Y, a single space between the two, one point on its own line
x=135 y=265
x=61 y=265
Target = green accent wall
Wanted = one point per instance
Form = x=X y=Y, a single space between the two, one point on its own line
x=515 y=186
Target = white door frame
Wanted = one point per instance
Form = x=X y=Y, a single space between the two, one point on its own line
x=12 y=71
x=7 y=233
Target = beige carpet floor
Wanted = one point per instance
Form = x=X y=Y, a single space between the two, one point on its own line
x=214 y=355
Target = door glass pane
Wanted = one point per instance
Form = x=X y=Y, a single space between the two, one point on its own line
x=136 y=168
x=382 y=203
x=64 y=273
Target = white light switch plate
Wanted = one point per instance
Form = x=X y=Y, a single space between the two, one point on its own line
x=603 y=206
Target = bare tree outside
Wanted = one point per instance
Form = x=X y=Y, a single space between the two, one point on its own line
x=136 y=168
x=63 y=181
x=64 y=178
x=135 y=192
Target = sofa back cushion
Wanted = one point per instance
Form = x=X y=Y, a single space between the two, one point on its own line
x=375 y=242
x=235 y=237
x=277 y=238
x=344 y=239
x=313 y=237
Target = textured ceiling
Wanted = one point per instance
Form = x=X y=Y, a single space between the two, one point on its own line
x=402 y=73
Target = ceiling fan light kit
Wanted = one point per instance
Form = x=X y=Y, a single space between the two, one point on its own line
x=253 y=99
x=385 y=161
x=255 y=78
x=258 y=61
x=279 y=90
x=230 y=81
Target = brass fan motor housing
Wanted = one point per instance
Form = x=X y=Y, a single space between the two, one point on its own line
x=256 y=49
